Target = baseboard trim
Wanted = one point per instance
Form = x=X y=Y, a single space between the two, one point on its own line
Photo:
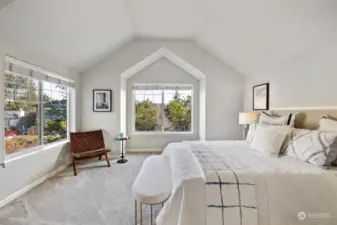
x=31 y=186
x=143 y=150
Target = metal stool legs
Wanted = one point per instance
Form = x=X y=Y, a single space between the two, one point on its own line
x=141 y=212
x=135 y=212
x=151 y=214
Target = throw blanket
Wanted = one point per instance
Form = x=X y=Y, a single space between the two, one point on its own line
x=226 y=183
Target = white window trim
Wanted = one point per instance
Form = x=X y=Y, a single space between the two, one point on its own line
x=36 y=68
x=133 y=107
x=149 y=60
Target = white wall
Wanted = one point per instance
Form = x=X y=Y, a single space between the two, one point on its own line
x=162 y=71
x=22 y=172
x=224 y=86
x=306 y=79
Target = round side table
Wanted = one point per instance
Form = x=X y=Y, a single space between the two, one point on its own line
x=122 y=139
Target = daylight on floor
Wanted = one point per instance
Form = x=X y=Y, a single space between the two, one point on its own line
x=165 y=112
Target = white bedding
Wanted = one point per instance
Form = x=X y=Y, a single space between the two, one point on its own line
x=225 y=182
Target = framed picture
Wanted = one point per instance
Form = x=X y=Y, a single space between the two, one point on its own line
x=261 y=97
x=102 y=100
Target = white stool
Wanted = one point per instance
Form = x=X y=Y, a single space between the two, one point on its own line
x=153 y=184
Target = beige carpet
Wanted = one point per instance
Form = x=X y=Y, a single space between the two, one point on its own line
x=98 y=195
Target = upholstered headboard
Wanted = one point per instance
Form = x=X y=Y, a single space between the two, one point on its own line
x=308 y=119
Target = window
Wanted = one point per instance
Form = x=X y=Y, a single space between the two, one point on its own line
x=21 y=113
x=31 y=97
x=55 y=111
x=162 y=108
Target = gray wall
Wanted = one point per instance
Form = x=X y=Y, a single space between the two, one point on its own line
x=22 y=172
x=224 y=86
x=306 y=79
x=162 y=71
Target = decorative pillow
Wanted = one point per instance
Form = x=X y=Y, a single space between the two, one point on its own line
x=269 y=119
x=312 y=146
x=251 y=132
x=269 y=139
x=327 y=124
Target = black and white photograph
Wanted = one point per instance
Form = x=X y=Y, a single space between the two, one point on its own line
x=102 y=100
x=261 y=97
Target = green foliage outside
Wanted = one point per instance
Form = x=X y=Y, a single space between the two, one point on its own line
x=12 y=106
x=50 y=138
x=146 y=115
x=178 y=114
x=54 y=125
x=54 y=130
x=14 y=83
x=63 y=125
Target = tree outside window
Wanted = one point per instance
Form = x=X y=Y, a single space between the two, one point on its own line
x=163 y=110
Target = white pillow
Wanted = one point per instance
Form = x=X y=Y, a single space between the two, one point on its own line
x=327 y=124
x=312 y=146
x=251 y=132
x=269 y=139
x=269 y=119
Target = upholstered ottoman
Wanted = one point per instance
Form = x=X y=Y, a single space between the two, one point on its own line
x=153 y=184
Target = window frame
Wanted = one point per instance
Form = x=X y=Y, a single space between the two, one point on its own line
x=41 y=146
x=42 y=116
x=133 y=110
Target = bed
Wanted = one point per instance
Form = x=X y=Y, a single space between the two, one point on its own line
x=226 y=183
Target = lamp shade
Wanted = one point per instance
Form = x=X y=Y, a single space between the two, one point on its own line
x=247 y=118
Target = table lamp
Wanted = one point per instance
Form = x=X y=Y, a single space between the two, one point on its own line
x=246 y=119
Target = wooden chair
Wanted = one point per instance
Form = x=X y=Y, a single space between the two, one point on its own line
x=85 y=145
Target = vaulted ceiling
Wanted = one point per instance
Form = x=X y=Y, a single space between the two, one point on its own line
x=247 y=35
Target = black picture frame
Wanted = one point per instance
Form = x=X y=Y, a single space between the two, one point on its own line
x=261 y=97
x=104 y=96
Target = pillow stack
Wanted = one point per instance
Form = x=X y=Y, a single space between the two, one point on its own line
x=271 y=120
x=269 y=134
x=276 y=135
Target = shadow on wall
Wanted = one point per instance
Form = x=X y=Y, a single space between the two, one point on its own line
x=64 y=157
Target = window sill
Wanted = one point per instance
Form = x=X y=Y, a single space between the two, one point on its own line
x=22 y=154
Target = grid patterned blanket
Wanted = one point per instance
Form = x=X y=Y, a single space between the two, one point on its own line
x=230 y=195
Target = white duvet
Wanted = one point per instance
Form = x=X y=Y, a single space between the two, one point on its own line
x=227 y=183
